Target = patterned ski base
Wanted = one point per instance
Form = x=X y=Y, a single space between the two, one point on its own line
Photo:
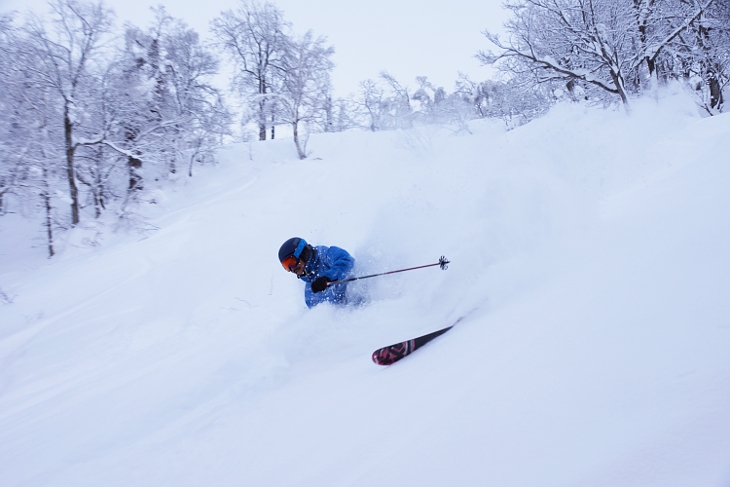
x=393 y=353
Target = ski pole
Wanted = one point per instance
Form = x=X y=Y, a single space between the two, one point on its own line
x=443 y=263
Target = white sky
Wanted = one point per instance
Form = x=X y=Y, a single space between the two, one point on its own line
x=407 y=38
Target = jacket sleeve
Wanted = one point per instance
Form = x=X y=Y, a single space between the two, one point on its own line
x=340 y=263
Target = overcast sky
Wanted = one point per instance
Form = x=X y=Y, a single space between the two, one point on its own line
x=407 y=38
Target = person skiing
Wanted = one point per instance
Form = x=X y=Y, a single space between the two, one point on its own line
x=317 y=267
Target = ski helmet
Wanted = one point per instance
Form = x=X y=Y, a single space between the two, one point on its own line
x=295 y=247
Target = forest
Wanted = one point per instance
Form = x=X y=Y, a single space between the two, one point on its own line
x=94 y=117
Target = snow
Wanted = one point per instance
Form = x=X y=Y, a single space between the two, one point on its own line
x=588 y=248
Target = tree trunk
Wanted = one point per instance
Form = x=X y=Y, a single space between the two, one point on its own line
x=135 y=179
x=715 y=93
x=98 y=192
x=49 y=224
x=650 y=63
x=262 y=120
x=618 y=81
x=49 y=208
x=262 y=109
x=295 y=129
x=70 y=171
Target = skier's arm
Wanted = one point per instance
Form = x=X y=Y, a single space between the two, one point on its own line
x=340 y=263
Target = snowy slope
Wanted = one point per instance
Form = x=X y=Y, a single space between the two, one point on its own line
x=589 y=248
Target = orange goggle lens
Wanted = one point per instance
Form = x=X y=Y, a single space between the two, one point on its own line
x=289 y=263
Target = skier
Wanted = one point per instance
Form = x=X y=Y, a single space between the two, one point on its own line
x=317 y=267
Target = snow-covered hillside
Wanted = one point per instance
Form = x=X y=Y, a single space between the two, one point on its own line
x=591 y=251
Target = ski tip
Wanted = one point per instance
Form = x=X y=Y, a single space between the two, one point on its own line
x=383 y=357
x=390 y=355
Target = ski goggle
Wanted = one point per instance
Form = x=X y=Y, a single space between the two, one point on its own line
x=290 y=263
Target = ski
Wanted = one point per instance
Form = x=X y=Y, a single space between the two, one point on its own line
x=393 y=353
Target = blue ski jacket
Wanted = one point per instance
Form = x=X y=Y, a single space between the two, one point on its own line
x=334 y=263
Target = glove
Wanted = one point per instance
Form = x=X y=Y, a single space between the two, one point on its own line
x=320 y=284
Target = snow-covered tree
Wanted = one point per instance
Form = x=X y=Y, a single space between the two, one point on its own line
x=702 y=54
x=477 y=95
x=399 y=109
x=84 y=121
x=9 y=107
x=304 y=84
x=344 y=114
x=255 y=36
x=371 y=105
x=586 y=41
x=195 y=115
x=31 y=144
x=61 y=58
x=203 y=118
x=166 y=112
x=431 y=99
x=609 y=48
